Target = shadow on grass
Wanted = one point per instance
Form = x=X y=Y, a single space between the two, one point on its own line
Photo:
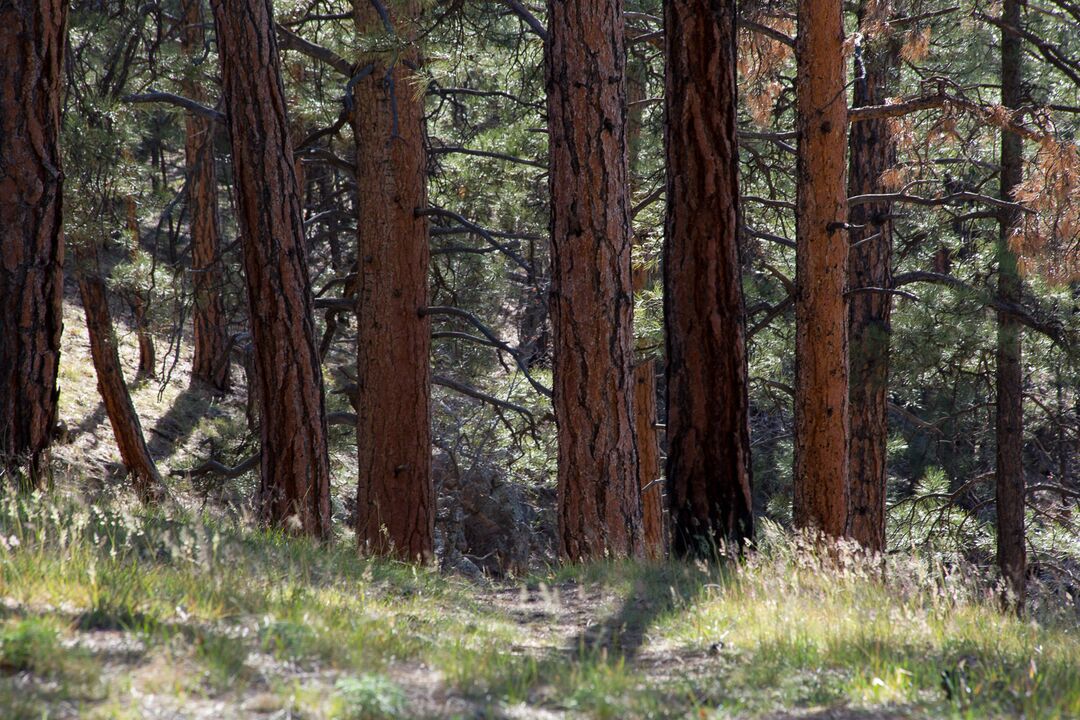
x=172 y=430
x=656 y=590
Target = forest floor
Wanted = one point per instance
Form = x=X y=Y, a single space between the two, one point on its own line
x=111 y=610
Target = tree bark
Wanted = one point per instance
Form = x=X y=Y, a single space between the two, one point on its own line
x=708 y=464
x=395 y=494
x=873 y=151
x=649 y=477
x=1012 y=555
x=210 y=365
x=137 y=299
x=32 y=37
x=127 y=430
x=599 y=499
x=295 y=475
x=821 y=348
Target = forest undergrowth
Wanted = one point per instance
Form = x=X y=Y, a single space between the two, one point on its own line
x=110 y=611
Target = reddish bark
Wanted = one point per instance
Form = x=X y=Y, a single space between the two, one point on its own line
x=649 y=476
x=395 y=495
x=708 y=464
x=127 y=430
x=32 y=36
x=599 y=499
x=873 y=151
x=210 y=364
x=295 y=473
x=821 y=347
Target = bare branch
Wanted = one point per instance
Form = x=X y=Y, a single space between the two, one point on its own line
x=528 y=18
x=155 y=96
x=292 y=41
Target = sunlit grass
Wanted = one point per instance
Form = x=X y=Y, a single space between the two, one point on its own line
x=243 y=616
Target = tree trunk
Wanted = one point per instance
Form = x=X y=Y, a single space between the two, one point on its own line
x=210 y=365
x=32 y=37
x=821 y=320
x=873 y=151
x=599 y=499
x=295 y=485
x=708 y=464
x=137 y=299
x=395 y=495
x=649 y=479
x=1012 y=556
x=110 y=375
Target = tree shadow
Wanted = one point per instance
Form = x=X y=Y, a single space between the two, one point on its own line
x=91 y=422
x=172 y=430
x=657 y=590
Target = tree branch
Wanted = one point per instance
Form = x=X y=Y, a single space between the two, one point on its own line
x=528 y=18
x=155 y=96
x=292 y=41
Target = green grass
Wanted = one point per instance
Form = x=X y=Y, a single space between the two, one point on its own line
x=221 y=612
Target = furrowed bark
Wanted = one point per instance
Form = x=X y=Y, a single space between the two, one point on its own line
x=599 y=499
x=873 y=151
x=210 y=364
x=708 y=464
x=395 y=494
x=821 y=348
x=295 y=475
x=649 y=475
x=32 y=37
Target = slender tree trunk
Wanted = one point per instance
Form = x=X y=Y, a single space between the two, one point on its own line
x=295 y=485
x=395 y=495
x=599 y=499
x=32 y=36
x=708 y=463
x=873 y=151
x=652 y=489
x=127 y=430
x=137 y=299
x=821 y=349
x=210 y=365
x=1012 y=555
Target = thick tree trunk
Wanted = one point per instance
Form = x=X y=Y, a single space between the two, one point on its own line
x=32 y=37
x=873 y=151
x=1012 y=555
x=599 y=499
x=395 y=495
x=821 y=348
x=652 y=488
x=708 y=464
x=110 y=375
x=210 y=365
x=295 y=485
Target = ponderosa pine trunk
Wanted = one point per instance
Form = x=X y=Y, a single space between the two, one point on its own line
x=708 y=463
x=821 y=315
x=395 y=495
x=1011 y=550
x=295 y=473
x=210 y=364
x=32 y=37
x=649 y=472
x=873 y=151
x=599 y=499
x=127 y=430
